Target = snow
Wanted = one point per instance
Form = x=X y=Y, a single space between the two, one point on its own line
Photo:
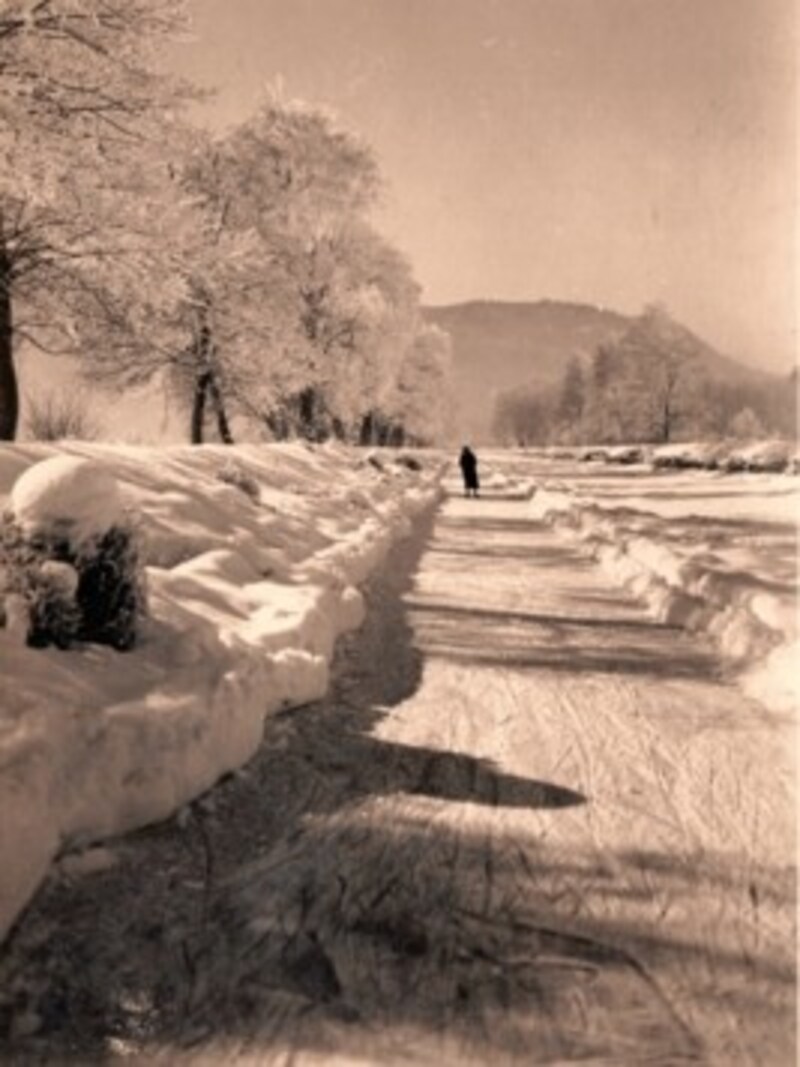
x=711 y=551
x=524 y=801
x=246 y=598
x=67 y=494
x=497 y=482
x=730 y=455
x=61 y=576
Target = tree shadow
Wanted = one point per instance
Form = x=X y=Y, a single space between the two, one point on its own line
x=711 y=494
x=528 y=641
x=335 y=741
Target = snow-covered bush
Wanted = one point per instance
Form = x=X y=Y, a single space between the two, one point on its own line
x=30 y=585
x=771 y=456
x=592 y=455
x=234 y=474
x=410 y=462
x=626 y=454
x=68 y=553
x=90 y=593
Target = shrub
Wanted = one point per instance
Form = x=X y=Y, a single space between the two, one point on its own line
x=94 y=592
x=53 y=417
x=234 y=474
x=409 y=462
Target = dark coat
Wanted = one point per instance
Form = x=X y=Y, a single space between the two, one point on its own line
x=468 y=462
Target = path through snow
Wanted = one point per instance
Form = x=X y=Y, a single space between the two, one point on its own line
x=528 y=825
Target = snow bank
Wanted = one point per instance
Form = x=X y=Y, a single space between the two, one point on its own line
x=706 y=552
x=770 y=456
x=250 y=579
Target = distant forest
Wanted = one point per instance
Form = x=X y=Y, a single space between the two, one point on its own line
x=649 y=385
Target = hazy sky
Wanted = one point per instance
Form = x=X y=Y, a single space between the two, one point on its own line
x=613 y=152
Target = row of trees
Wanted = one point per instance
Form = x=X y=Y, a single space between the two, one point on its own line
x=647 y=385
x=243 y=271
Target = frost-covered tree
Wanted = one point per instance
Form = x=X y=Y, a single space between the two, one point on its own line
x=643 y=386
x=79 y=104
x=607 y=398
x=571 y=400
x=657 y=357
x=302 y=186
x=242 y=270
x=238 y=318
x=745 y=425
x=372 y=293
x=420 y=399
x=525 y=415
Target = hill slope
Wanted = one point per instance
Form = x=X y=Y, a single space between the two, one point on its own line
x=498 y=345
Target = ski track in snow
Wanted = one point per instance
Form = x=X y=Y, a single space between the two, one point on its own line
x=529 y=824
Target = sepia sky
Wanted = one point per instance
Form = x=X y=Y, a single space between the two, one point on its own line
x=613 y=152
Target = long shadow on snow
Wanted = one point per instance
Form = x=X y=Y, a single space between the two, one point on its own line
x=130 y=936
x=529 y=641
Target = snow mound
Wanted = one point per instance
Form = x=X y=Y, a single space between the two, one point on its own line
x=251 y=577
x=67 y=495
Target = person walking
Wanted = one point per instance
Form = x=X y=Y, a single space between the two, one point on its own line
x=468 y=462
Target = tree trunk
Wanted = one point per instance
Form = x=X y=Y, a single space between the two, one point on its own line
x=278 y=424
x=223 y=426
x=307 y=403
x=206 y=384
x=9 y=392
x=199 y=407
x=365 y=435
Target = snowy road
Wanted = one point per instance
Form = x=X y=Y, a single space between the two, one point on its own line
x=528 y=825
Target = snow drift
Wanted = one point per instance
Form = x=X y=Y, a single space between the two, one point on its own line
x=252 y=558
x=713 y=552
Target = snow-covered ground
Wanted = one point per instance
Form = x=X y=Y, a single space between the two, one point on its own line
x=253 y=557
x=705 y=533
x=712 y=551
x=527 y=817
